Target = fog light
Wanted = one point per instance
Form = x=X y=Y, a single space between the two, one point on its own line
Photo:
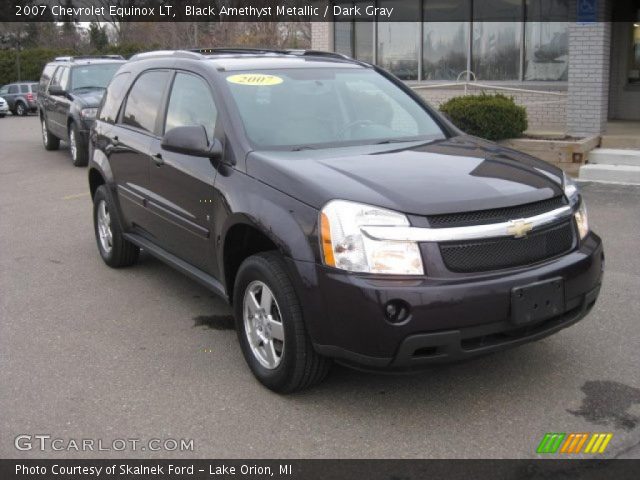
x=397 y=311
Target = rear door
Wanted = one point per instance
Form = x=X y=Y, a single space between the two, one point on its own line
x=128 y=146
x=181 y=185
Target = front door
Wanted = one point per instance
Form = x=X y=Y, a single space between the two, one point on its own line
x=181 y=185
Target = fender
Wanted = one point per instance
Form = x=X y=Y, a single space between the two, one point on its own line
x=100 y=162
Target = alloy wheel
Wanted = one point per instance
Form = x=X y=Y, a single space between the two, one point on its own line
x=263 y=324
x=73 y=147
x=45 y=134
x=104 y=227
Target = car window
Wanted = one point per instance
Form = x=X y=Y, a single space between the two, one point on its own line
x=191 y=103
x=24 y=88
x=47 y=73
x=143 y=102
x=93 y=76
x=113 y=98
x=64 y=78
x=33 y=87
x=327 y=107
x=4 y=89
x=56 y=76
x=13 y=89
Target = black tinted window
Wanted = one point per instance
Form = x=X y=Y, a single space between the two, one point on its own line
x=113 y=98
x=191 y=104
x=13 y=89
x=24 y=88
x=144 y=99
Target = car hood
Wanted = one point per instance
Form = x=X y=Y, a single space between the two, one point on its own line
x=445 y=176
x=88 y=98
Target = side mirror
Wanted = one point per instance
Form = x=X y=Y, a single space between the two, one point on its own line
x=191 y=140
x=57 y=90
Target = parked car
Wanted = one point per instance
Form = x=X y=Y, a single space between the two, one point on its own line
x=71 y=89
x=4 y=107
x=340 y=215
x=21 y=97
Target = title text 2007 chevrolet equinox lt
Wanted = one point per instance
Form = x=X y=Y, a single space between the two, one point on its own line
x=340 y=215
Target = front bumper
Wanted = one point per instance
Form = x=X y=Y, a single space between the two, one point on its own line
x=451 y=319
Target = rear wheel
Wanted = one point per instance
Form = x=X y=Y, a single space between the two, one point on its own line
x=77 y=147
x=114 y=249
x=21 y=109
x=49 y=141
x=270 y=328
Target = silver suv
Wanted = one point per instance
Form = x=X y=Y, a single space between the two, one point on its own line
x=21 y=97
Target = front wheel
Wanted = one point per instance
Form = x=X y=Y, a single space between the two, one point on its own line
x=270 y=328
x=114 y=249
x=78 y=147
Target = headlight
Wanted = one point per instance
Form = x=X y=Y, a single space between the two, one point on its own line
x=574 y=197
x=582 y=220
x=344 y=245
x=88 y=113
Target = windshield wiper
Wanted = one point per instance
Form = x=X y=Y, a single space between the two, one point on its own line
x=299 y=148
x=400 y=140
x=88 y=86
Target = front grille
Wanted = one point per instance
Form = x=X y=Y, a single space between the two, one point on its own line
x=497 y=253
x=498 y=215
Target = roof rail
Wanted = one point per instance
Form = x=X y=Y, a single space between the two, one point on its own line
x=236 y=50
x=69 y=58
x=167 y=53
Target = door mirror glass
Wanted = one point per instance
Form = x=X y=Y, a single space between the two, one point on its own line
x=191 y=140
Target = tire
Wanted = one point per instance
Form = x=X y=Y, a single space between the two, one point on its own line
x=50 y=141
x=21 y=109
x=114 y=249
x=298 y=365
x=78 y=147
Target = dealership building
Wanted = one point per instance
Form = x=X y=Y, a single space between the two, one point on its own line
x=579 y=77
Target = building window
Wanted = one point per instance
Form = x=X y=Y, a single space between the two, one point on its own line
x=490 y=44
x=546 y=54
x=343 y=38
x=363 y=41
x=634 y=65
x=398 y=42
x=445 y=45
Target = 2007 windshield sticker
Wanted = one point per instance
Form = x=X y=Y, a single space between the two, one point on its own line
x=255 y=79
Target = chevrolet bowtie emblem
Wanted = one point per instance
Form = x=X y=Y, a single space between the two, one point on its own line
x=519 y=228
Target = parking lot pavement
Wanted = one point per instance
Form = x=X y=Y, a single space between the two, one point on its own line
x=91 y=352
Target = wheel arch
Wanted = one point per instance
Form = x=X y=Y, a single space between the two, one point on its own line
x=241 y=239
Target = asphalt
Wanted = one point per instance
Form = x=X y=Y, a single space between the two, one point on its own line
x=91 y=352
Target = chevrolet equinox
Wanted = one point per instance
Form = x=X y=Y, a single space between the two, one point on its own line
x=341 y=217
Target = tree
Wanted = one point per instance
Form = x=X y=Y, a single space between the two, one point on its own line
x=98 y=40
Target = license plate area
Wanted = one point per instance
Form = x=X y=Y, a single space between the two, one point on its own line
x=537 y=302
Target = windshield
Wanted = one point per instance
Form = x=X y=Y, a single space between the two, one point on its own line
x=97 y=75
x=322 y=107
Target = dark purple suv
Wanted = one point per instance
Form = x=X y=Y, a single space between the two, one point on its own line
x=342 y=217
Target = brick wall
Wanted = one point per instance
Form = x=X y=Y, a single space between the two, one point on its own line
x=588 y=92
x=545 y=111
x=322 y=36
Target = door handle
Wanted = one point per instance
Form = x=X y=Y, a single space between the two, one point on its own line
x=157 y=159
